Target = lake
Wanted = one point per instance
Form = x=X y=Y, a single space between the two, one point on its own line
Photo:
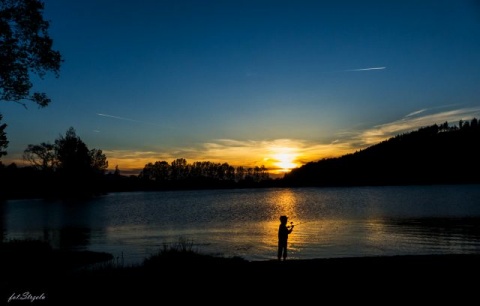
x=330 y=222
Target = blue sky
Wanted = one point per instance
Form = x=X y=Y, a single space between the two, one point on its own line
x=251 y=83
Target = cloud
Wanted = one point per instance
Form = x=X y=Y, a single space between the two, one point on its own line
x=116 y=117
x=412 y=122
x=125 y=119
x=416 y=112
x=367 y=69
x=245 y=153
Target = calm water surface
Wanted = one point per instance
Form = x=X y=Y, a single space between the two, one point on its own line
x=330 y=222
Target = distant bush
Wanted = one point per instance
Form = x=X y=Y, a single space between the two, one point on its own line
x=182 y=253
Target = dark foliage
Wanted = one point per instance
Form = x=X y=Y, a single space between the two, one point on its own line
x=25 y=49
x=3 y=138
x=80 y=277
x=429 y=155
x=66 y=169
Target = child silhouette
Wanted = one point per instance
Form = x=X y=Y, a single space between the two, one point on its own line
x=283 y=232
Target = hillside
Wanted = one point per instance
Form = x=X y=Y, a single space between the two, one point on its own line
x=430 y=155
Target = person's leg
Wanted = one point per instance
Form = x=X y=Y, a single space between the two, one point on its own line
x=280 y=249
x=284 y=253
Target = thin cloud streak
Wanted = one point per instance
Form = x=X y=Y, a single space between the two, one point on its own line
x=116 y=117
x=367 y=69
x=416 y=112
x=126 y=119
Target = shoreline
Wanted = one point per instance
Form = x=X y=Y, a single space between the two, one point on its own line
x=244 y=280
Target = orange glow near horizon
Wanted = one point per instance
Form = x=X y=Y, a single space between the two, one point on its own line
x=279 y=164
x=278 y=156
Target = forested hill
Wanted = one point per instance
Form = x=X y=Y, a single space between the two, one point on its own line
x=437 y=154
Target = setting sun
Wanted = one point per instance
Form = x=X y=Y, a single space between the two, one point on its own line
x=285 y=161
x=285 y=158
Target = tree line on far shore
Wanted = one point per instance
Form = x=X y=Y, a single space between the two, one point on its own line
x=437 y=154
x=67 y=168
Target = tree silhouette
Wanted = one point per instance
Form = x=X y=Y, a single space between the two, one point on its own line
x=430 y=155
x=117 y=171
x=3 y=138
x=41 y=156
x=180 y=174
x=179 y=169
x=72 y=154
x=25 y=49
x=159 y=171
x=474 y=123
x=99 y=161
x=67 y=167
x=239 y=173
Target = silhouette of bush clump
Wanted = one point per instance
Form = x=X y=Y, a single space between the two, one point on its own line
x=183 y=254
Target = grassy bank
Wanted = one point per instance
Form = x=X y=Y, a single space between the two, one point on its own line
x=180 y=273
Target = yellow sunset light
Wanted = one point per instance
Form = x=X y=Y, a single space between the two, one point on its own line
x=285 y=159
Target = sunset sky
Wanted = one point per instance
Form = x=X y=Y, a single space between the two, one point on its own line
x=250 y=83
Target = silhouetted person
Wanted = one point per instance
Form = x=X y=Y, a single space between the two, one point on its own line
x=283 y=232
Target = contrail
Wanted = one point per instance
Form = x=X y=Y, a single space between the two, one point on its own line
x=131 y=120
x=367 y=69
x=116 y=117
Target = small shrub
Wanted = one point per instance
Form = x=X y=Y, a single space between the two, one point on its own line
x=183 y=254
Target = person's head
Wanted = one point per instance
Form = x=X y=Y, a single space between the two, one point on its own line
x=283 y=219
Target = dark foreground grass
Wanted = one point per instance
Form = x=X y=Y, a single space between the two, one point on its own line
x=177 y=274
